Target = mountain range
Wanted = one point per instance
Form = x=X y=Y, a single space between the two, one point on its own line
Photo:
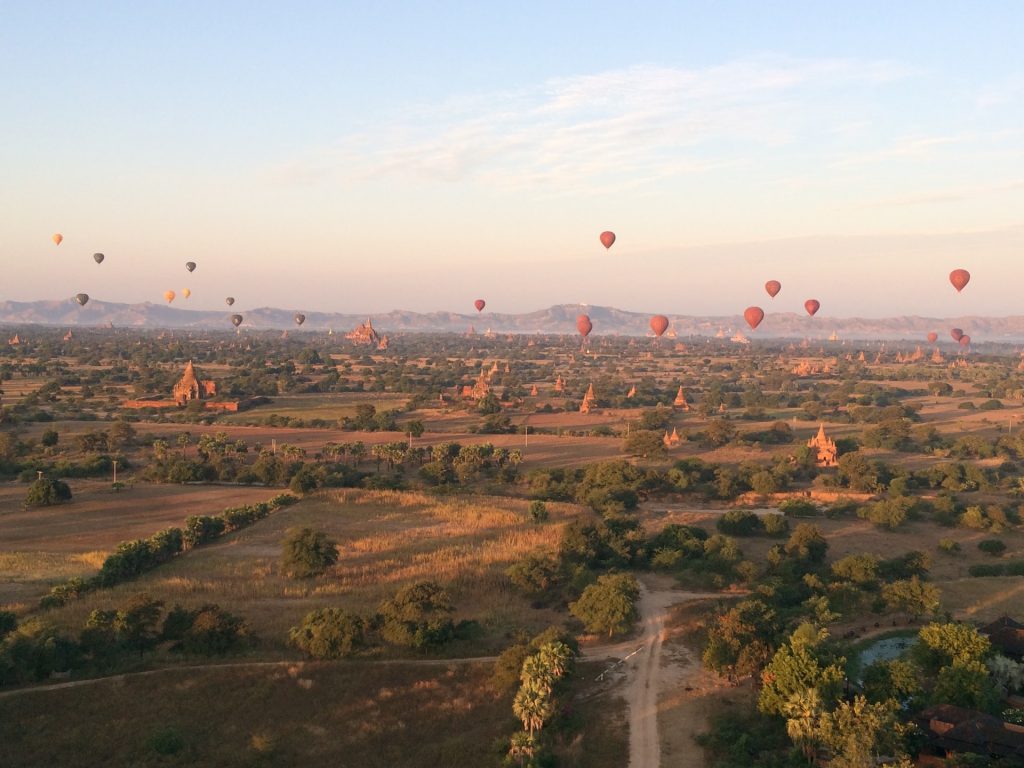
x=558 y=319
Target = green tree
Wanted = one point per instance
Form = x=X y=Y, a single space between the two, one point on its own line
x=329 y=633
x=859 y=733
x=418 y=616
x=801 y=663
x=807 y=543
x=916 y=597
x=45 y=492
x=942 y=644
x=307 y=553
x=136 y=623
x=608 y=605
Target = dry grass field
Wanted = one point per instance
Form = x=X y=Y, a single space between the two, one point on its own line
x=41 y=546
x=386 y=540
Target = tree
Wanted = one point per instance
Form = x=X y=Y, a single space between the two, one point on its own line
x=136 y=623
x=50 y=438
x=942 y=644
x=807 y=543
x=45 y=492
x=212 y=630
x=534 y=575
x=329 y=633
x=418 y=616
x=307 y=553
x=912 y=595
x=644 y=443
x=801 y=663
x=858 y=733
x=538 y=511
x=609 y=605
x=966 y=684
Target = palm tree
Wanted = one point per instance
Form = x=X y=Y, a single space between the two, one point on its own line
x=534 y=706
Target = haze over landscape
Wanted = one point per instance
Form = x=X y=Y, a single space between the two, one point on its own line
x=541 y=385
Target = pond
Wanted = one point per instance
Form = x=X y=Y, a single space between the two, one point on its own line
x=886 y=649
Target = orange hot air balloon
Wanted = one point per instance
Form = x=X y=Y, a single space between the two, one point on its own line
x=186 y=292
x=57 y=238
x=169 y=296
x=583 y=325
x=965 y=340
x=932 y=337
x=959 y=278
x=607 y=239
x=479 y=304
x=659 y=324
x=812 y=306
x=956 y=333
x=753 y=316
x=773 y=287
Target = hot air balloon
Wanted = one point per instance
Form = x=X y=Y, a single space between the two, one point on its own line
x=773 y=287
x=98 y=258
x=583 y=325
x=229 y=300
x=82 y=299
x=57 y=238
x=169 y=295
x=186 y=292
x=932 y=337
x=236 y=320
x=299 y=318
x=959 y=278
x=190 y=266
x=753 y=316
x=956 y=333
x=812 y=306
x=659 y=324
x=479 y=304
x=965 y=340
x=607 y=239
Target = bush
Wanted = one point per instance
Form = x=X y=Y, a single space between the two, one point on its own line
x=45 y=492
x=538 y=511
x=775 y=524
x=799 y=508
x=418 y=616
x=949 y=546
x=328 y=633
x=307 y=553
x=211 y=630
x=994 y=547
x=740 y=522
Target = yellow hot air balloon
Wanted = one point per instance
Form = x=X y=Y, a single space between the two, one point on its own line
x=57 y=237
x=169 y=295
x=186 y=292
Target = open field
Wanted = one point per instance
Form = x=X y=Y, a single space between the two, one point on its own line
x=41 y=546
x=385 y=540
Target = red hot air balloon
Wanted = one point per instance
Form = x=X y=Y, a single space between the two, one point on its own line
x=607 y=239
x=479 y=304
x=956 y=333
x=932 y=337
x=659 y=324
x=959 y=278
x=583 y=325
x=773 y=287
x=812 y=306
x=965 y=340
x=753 y=316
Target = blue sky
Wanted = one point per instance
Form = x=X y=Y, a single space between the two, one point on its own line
x=363 y=157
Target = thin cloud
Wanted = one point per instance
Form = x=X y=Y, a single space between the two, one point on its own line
x=640 y=123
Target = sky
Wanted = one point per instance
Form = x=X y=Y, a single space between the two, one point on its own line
x=363 y=157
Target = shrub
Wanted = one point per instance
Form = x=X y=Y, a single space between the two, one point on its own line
x=994 y=547
x=538 y=511
x=418 y=616
x=799 y=508
x=328 y=633
x=949 y=546
x=45 y=492
x=740 y=522
x=307 y=553
x=775 y=524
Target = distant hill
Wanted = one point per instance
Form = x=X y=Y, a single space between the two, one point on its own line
x=557 y=319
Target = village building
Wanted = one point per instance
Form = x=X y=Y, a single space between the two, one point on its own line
x=589 y=404
x=363 y=334
x=479 y=390
x=671 y=440
x=559 y=384
x=1006 y=636
x=950 y=730
x=827 y=453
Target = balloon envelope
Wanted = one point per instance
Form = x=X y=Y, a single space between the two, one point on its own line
x=956 y=333
x=753 y=316
x=299 y=318
x=959 y=278
x=186 y=292
x=773 y=287
x=236 y=320
x=607 y=239
x=229 y=300
x=583 y=325
x=659 y=324
x=965 y=340
x=812 y=306
x=98 y=258
x=82 y=299
x=169 y=295
x=479 y=304
x=932 y=337
x=190 y=266
x=57 y=237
